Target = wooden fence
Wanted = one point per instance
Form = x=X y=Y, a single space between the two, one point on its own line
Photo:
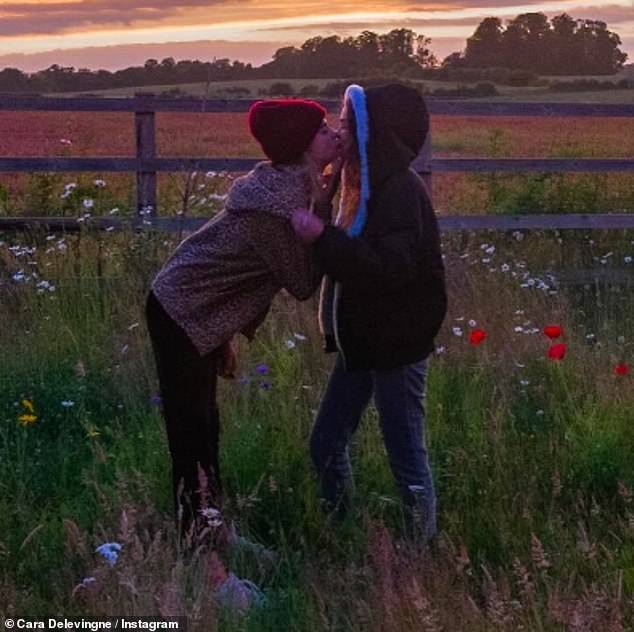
x=146 y=164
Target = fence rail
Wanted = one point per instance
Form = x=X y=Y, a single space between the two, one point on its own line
x=448 y=107
x=146 y=164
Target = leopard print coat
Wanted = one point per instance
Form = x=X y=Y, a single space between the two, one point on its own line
x=222 y=279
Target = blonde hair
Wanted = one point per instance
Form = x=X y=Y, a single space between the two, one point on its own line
x=314 y=174
x=350 y=176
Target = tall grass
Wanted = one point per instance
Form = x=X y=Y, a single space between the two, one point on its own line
x=532 y=459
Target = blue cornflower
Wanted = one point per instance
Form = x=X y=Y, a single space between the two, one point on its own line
x=109 y=550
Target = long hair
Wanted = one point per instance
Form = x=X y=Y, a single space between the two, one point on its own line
x=351 y=174
x=314 y=175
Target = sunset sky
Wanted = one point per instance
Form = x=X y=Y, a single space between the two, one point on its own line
x=116 y=33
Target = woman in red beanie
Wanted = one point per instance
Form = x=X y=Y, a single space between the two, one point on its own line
x=221 y=281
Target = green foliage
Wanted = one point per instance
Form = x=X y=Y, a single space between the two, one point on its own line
x=532 y=459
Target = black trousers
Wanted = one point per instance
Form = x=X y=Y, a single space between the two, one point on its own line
x=187 y=383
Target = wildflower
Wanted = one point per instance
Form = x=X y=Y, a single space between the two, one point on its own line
x=525 y=382
x=627 y=259
x=289 y=344
x=477 y=336
x=440 y=350
x=88 y=203
x=299 y=337
x=457 y=331
x=92 y=433
x=622 y=369
x=213 y=517
x=472 y=323
x=155 y=400
x=100 y=184
x=133 y=326
x=265 y=385
x=65 y=141
x=110 y=551
x=557 y=352
x=553 y=331
x=262 y=369
x=113 y=211
x=68 y=403
x=27 y=419
x=28 y=416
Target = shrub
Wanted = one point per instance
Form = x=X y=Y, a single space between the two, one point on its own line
x=281 y=88
x=310 y=90
x=238 y=91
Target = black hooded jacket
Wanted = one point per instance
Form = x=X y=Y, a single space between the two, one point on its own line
x=393 y=298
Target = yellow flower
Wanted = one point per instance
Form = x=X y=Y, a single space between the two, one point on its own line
x=93 y=432
x=28 y=405
x=27 y=419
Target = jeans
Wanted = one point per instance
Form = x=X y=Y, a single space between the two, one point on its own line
x=399 y=398
x=187 y=384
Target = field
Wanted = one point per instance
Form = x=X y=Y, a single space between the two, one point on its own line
x=217 y=135
x=313 y=87
x=532 y=457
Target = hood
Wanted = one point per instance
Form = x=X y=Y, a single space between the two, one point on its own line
x=275 y=190
x=398 y=125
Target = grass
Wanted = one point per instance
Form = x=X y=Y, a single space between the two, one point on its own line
x=532 y=458
x=258 y=87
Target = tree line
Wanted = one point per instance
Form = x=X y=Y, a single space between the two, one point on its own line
x=530 y=42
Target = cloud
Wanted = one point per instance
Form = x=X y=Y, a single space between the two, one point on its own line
x=124 y=55
x=19 y=18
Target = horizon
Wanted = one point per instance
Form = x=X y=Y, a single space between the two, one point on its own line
x=110 y=34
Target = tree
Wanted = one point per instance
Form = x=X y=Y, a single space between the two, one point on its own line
x=485 y=46
x=422 y=53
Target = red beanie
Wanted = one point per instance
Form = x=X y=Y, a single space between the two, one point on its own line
x=285 y=128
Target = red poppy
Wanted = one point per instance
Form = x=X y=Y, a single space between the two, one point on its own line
x=477 y=336
x=622 y=369
x=557 y=352
x=553 y=331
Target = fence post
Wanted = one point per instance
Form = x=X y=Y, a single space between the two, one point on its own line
x=145 y=150
x=422 y=164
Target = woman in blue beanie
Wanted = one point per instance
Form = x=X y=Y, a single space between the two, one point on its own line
x=383 y=300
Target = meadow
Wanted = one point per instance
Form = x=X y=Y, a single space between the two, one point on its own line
x=251 y=88
x=532 y=456
x=217 y=135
